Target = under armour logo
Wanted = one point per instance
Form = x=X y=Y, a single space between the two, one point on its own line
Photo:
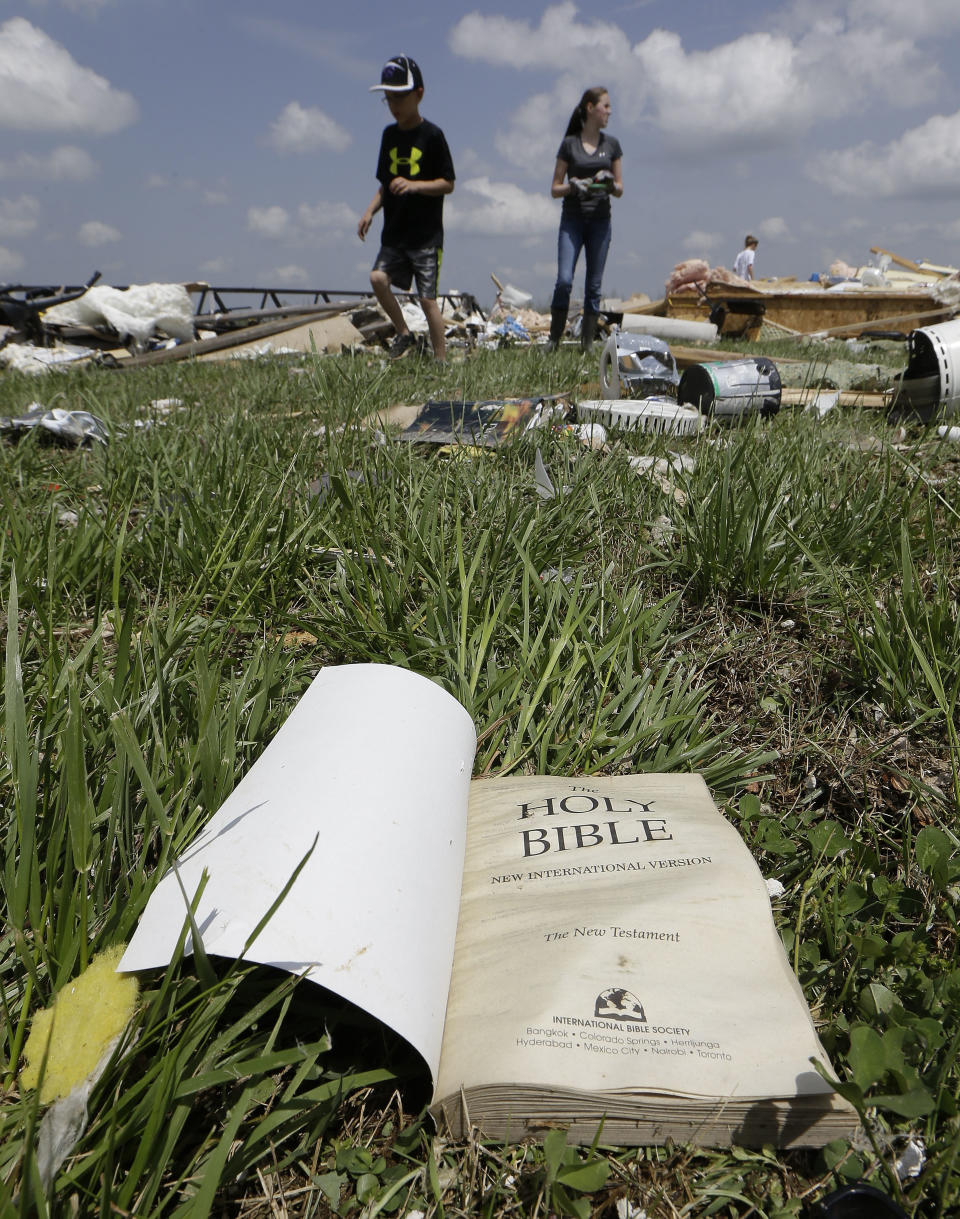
x=412 y=162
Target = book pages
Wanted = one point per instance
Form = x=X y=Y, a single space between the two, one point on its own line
x=616 y=936
x=371 y=771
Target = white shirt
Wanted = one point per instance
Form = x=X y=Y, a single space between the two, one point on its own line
x=743 y=262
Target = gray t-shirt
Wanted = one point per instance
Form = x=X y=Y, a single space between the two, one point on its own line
x=583 y=164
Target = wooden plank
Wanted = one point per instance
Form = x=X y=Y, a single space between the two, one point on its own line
x=881 y=323
x=328 y=334
x=199 y=347
x=686 y=356
x=803 y=395
x=901 y=262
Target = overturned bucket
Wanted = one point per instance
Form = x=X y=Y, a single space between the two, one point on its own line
x=737 y=387
x=929 y=388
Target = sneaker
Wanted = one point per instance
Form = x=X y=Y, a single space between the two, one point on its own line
x=401 y=345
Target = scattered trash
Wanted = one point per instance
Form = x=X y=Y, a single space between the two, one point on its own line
x=627 y=1210
x=25 y=358
x=774 y=888
x=23 y=313
x=823 y=402
x=69 y=519
x=511 y=297
x=645 y=415
x=660 y=469
x=554 y=573
x=733 y=388
x=662 y=531
x=138 y=312
x=320 y=488
x=71 y=427
x=928 y=388
x=910 y=1162
x=545 y=487
x=637 y=366
x=949 y=433
x=486 y=424
x=68 y=1049
x=663 y=465
x=593 y=435
x=508 y=329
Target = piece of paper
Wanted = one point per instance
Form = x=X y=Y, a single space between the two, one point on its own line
x=373 y=766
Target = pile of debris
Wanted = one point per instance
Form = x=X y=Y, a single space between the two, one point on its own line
x=145 y=324
x=887 y=297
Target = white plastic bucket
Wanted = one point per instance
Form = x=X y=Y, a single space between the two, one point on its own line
x=930 y=386
x=737 y=387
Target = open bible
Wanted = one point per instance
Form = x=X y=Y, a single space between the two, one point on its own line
x=560 y=951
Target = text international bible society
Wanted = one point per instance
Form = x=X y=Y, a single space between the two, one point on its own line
x=562 y=952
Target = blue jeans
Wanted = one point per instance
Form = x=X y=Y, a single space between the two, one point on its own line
x=576 y=234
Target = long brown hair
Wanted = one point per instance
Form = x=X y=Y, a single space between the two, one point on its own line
x=579 y=116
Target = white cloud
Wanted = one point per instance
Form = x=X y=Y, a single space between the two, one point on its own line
x=215 y=266
x=96 y=233
x=307 y=129
x=272 y=222
x=700 y=242
x=559 y=39
x=291 y=274
x=210 y=196
x=500 y=209
x=923 y=161
x=43 y=88
x=756 y=91
x=64 y=164
x=18 y=217
x=10 y=261
x=327 y=216
x=775 y=228
x=920 y=19
x=533 y=136
x=315 y=224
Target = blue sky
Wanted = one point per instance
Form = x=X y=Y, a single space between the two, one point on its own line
x=236 y=142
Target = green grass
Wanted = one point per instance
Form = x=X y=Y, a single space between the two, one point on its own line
x=782 y=617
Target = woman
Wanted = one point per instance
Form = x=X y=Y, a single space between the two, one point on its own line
x=589 y=160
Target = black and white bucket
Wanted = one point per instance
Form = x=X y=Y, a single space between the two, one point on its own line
x=735 y=387
x=929 y=388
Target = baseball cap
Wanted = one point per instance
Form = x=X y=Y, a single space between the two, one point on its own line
x=399 y=75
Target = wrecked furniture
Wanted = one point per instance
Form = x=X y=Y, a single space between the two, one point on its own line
x=733 y=388
x=929 y=387
x=23 y=313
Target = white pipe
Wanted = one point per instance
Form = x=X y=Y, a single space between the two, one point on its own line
x=669 y=327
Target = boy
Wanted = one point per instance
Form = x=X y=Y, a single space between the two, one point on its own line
x=743 y=263
x=415 y=171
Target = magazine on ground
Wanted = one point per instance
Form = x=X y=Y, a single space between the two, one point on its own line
x=560 y=951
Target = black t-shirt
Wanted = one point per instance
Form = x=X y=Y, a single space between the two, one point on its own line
x=413 y=222
x=583 y=164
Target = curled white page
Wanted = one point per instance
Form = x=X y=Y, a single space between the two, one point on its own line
x=373 y=765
